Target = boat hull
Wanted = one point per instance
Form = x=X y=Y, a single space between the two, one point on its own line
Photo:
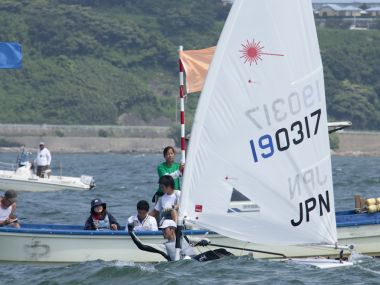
x=55 y=243
x=58 y=248
x=10 y=180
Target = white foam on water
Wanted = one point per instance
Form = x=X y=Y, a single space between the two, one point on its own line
x=362 y=261
x=143 y=267
x=357 y=257
x=369 y=270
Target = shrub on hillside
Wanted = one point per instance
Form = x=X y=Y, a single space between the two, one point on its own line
x=334 y=141
x=7 y=143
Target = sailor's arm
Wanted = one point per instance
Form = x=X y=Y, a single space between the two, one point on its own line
x=145 y=247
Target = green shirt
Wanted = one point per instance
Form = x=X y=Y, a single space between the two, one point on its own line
x=173 y=171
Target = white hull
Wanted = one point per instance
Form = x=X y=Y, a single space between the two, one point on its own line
x=31 y=182
x=78 y=246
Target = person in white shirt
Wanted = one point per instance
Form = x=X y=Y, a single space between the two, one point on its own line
x=167 y=205
x=142 y=221
x=8 y=209
x=43 y=160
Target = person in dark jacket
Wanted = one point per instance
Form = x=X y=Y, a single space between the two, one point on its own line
x=100 y=219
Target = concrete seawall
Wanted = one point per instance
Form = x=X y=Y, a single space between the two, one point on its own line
x=358 y=143
x=63 y=138
x=22 y=130
x=95 y=144
x=88 y=138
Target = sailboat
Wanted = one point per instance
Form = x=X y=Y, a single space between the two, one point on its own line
x=258 y=168
x=260 y=132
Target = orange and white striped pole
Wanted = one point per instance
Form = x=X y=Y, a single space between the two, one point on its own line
x=183 y=149
x=182 y=110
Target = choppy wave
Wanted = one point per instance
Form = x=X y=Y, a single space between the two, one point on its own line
x=124 y=179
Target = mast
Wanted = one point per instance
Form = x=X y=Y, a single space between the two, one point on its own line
x=182 y=110
x=183 y=148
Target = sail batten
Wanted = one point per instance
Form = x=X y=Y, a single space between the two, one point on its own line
x=260 y=131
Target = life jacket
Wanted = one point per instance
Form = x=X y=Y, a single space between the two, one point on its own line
x=186 y=249
x=102 y=224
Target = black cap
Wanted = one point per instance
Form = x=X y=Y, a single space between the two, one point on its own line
x=10 y=195
x=97 y=202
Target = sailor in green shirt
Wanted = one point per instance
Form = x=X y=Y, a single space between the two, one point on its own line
x=169 y=167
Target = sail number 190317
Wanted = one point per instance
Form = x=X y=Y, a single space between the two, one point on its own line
x=266 y=145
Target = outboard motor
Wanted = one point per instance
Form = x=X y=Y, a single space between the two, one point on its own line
x=88 y=180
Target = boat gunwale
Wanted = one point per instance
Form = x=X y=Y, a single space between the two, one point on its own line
x=353 y=219
x=78 y=230
x=344 y=219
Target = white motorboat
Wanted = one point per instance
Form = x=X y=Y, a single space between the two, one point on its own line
x=65 y=243
x=21 y=177
x=337 y=126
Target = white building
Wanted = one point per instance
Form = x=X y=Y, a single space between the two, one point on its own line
x=334 y=10
x=341 y=8
x=317 y=4
x=374 y=11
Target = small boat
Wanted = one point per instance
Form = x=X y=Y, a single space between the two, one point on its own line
x=70 y=243
x=258 y=173
x=337 y=126
x=21 y=177
x=260 y=132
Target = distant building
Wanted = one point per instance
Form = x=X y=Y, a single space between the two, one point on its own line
x=329 y=10
x=351 y=11
x=334 y=10
x=374 y=11
x=317 y=4
x=341 y=8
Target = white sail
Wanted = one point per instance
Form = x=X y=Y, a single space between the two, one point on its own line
x=258 y=166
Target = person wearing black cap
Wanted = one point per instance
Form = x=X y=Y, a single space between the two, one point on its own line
x=7 y=209
x=100 y=219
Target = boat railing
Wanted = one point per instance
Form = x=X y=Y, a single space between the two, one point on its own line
x=49 y=229
x=7 y=166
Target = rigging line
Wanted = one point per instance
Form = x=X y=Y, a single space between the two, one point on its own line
x=246 y=249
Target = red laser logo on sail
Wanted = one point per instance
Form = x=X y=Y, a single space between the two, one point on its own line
x=253 y=52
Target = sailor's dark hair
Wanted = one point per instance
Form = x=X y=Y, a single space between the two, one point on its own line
x=143 y=205
x=166 y=149
x=166 y=181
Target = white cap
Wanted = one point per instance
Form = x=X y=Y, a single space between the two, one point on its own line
x=168 y=223
x=42 y=143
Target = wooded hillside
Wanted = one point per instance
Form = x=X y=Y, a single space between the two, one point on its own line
x=115 y=61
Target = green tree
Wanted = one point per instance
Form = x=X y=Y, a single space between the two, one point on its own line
x=334 y=141
x=357 y=103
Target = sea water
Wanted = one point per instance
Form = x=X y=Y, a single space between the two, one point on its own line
x=124 y=179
